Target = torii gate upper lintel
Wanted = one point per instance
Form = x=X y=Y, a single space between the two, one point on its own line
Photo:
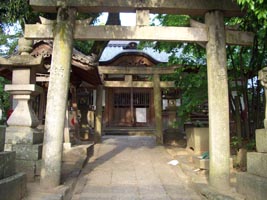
x=190 y=7
x=213 y=34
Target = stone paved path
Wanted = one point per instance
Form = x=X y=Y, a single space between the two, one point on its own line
x=131 y=168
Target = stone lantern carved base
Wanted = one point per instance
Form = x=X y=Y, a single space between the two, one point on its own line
x=23 y=114
x=22 y=136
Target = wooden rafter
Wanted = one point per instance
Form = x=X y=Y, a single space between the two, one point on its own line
x=136 y=70
x=137 y=84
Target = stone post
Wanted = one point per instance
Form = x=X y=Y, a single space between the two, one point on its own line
x=253 y=182
x=57 y=98
x=158 y=108
x=98 y=121
x=219 y=142
x=263 y=79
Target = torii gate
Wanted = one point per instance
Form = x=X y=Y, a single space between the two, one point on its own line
x=212 y=33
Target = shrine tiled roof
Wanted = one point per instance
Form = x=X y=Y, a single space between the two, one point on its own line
x=114 y=48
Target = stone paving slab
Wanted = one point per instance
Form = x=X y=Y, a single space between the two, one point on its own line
x=134 y=168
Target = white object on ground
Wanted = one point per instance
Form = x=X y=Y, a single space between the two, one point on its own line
x=173 y=162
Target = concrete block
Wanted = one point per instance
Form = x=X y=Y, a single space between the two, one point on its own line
x=261 y=140
x=13 y=187
x=257 y=163
x=7 y=164
x=8 y=147
x=2 y=137
x=201 y=163
x=32 y=169
x=204 y=163
x=66 y=145
x=28 y=151
x=23 y=135
x=197 y=139
x=252 y=186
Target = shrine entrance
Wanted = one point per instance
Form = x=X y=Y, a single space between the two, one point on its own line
x=213 y=35
x=130 y=107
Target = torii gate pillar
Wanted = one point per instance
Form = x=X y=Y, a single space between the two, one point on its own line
x=57 y=98
x=158 y=108
x=99 y=110
x=219 y=143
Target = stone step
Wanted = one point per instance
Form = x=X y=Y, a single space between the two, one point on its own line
x=7 y=164
x=129 y=131
x=75 y=158
x=252 y=186
x=257 y=163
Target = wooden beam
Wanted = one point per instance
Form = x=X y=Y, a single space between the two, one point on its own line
x=167 y=84
x=138 y=84
x=136 y=70
x=189 y=7
x=100 y=33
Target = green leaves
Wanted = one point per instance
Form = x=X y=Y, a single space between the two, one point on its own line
x=4 y=97
x=256 y=7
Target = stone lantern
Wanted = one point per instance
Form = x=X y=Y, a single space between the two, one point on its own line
x=22 y=134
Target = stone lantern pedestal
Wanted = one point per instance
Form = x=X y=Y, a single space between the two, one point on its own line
x=12 y=184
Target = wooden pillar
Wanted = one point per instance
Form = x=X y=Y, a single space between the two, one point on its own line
x=158 y=108
x=219 y=143
x=98 y=120
x=57 y=98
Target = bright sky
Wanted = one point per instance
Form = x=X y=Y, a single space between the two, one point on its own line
x=127 y=19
